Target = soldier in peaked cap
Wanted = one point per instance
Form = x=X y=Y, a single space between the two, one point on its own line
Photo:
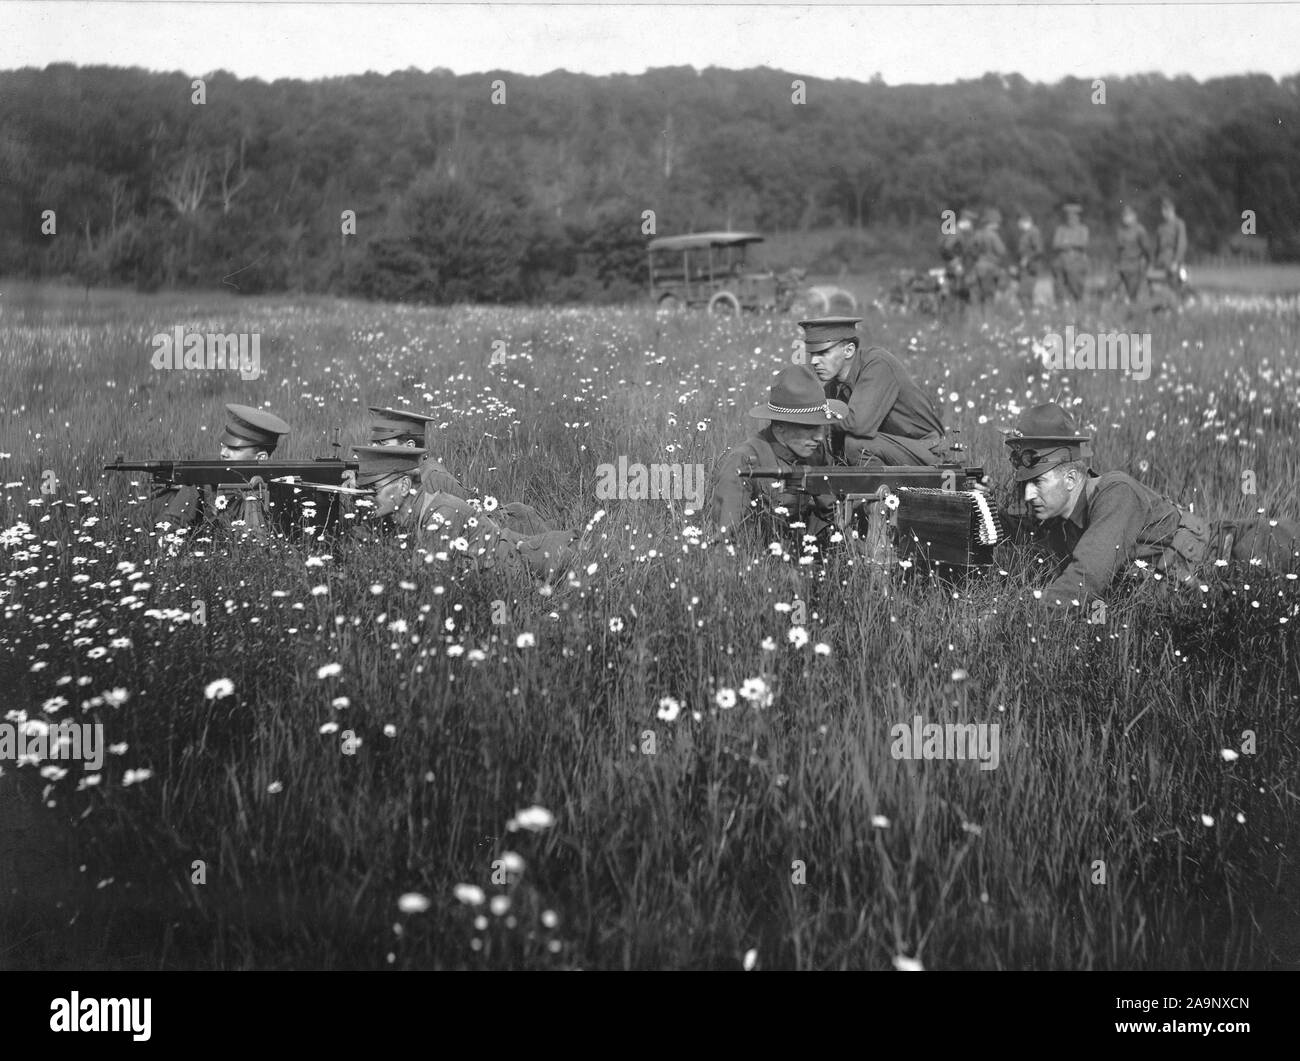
x=1133 y=252
x=957 y=252
x=1097 y=526
x=889 y=417
x=458 y=527
x=250 y=435
x=1070 y=250
x=1029 y=252
x=799 y=415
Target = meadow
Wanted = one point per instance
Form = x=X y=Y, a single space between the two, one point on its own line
x=674 y=755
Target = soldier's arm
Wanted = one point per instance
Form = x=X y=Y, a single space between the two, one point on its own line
x=182 y=506
x=732 y=495
x=1116 y=517
x=874 y=393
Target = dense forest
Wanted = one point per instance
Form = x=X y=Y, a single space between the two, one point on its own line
x=500 y=187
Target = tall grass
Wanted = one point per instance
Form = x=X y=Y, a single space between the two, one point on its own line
x=675 y=844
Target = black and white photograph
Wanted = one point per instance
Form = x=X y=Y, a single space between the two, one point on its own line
x=677 y=487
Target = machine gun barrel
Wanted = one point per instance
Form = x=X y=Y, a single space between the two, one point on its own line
x=229 y=474
x=840 y=480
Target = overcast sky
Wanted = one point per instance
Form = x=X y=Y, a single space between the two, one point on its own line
x=903 y=43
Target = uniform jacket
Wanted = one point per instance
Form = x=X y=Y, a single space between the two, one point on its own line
x=738 y=501
x=990 y=251
x=1070 y=240
x=1134 y=246
x=883 y=399
x=1171 y=243
x=1029 y=249
x=1116 y=521
x=191 y=506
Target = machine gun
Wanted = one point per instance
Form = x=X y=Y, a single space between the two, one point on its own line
x=280 y=483
x=930 y=514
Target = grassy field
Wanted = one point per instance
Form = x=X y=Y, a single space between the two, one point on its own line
x=1114 y=833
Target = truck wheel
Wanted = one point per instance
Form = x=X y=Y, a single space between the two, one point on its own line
x=724 y=304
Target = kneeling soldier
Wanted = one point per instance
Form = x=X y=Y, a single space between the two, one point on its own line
x=1098 y=525
x=889 y=417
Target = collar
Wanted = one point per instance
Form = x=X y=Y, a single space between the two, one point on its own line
x=783 y=452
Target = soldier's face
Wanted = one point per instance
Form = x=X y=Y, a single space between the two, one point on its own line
x=1049 y=496
x=243 y=453
x=830 y=363
x=802 y=439
x=390 y=496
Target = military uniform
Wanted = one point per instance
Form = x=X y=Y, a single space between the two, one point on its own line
x=1070 y=250
x=1116 y=521
x=1133 y=256
x=738 y=502
x=889 y=416
x=239 y=511
x=957 y=251
x=1171 y=246
x=1029 y=252
x=450 y=524
x=990 y=258
x=405 y=427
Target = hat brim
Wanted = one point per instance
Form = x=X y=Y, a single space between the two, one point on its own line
x=1023 y=475
x=838 y=411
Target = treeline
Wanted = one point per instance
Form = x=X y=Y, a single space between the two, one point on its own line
x=541 y=194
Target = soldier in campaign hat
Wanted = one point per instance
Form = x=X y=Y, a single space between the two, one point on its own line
x=457 y=526
x=799 y=416
x=889 y=417
x=1097 y=526
x=250 y=435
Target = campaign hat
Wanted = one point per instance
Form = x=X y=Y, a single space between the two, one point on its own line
x=379 y=465
x=821 y=333
x=1044 y=437
x=400 y=425
x=797 y=398
x=252 y=427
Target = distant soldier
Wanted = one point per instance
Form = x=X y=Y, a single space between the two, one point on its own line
x=990 y=257
x=889 y=417
x=450 y=523
x=1029 y=259
x=250 y=435
x=956 y=251
x=1133 y=252
x=1070 y=253
x=1171 y=243
x=1102 y=527
x=799 y=416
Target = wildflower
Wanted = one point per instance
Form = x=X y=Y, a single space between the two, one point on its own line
x=959 y=675
x=330 y=727
x=616 y=625
x=330 y=670
x=822 y=648
x=797 y=636
x=118 y=749
x=753 y=689
x=53 y=704
x=132 y=777
x=669 y=709
x=339 y=703
x=533 y=818
x=1207 y=820
x=750 y=960
x=1228 y=755
x=525 y=640
x=767 y=644
x=390 y=730
x=908 y=965
x=412 y=903
x=469 y=894
x=879 y=821
x=218 y=689
x=499 y=905
x=550 y=918
x=319 y=591
x=275 y=787
x=725 y=698
x=315 y=561
x=53 y=773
